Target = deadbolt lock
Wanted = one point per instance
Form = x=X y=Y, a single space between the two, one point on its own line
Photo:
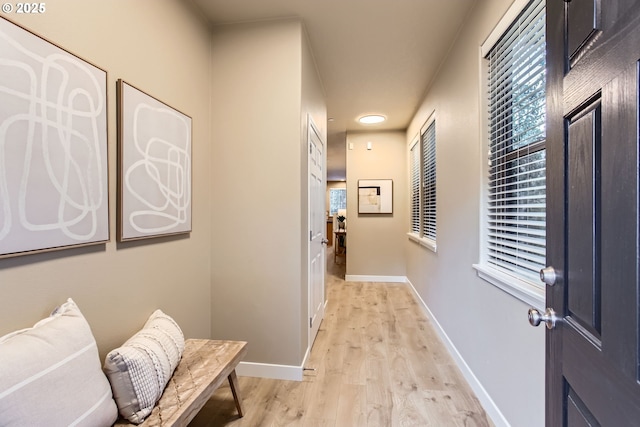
x=548 y=275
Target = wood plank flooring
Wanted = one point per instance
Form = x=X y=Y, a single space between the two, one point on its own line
x=377 y=362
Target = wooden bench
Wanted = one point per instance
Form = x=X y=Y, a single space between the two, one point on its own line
x=204 y=366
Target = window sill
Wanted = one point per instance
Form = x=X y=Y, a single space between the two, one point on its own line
x=427 y=243
x=523 y=290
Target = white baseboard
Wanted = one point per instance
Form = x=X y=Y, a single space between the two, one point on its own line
x=267 y=370
x=274 y=372
x=388 y=279
x=485 y=399
x=306 y=356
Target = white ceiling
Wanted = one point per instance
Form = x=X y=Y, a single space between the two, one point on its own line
x=374 y=56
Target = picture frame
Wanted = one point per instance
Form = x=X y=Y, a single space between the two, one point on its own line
x=154 y=166
x=375 y=196
x=54 y=172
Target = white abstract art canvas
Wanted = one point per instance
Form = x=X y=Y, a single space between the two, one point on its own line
x=53 y=146
x=155 y=166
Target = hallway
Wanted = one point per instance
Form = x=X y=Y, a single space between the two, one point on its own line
x=377 y=362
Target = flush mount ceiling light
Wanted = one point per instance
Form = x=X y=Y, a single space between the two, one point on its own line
x=372 y=119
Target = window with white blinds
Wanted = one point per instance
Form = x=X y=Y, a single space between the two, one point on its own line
x=422 y=169
x=428 y=139
x=414 y=159
x=516 y=211
x=337 y=200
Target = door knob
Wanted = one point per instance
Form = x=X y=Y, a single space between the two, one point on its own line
x=324 y=241
x=549 y=317
x=548 y=275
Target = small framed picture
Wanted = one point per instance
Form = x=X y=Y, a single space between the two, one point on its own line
x=375 y=196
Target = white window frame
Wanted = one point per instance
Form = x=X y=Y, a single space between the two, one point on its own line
x=420 y=236
x=530 y=292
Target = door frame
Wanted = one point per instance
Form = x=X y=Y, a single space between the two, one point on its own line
x=556 y=197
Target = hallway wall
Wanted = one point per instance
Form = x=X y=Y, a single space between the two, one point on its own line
x=263 y=86
x=375 y=242
x=249 y=93
x=486 y=326
x=117 y=286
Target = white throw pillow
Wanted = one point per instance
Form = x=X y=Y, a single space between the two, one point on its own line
x=140 y=369
x=50 y=374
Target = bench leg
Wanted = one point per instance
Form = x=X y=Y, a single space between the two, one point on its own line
x=235 y=389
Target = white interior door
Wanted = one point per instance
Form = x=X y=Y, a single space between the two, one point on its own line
x=317 y=229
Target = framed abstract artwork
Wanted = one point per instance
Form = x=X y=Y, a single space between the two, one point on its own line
x=53 y=146
x=375 y=196
x=154 y=161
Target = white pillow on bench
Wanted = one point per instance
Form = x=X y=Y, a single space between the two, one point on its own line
x=50 y=374
x=140 y=369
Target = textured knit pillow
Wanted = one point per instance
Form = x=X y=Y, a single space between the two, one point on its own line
x=50 y=374
x=140 y=369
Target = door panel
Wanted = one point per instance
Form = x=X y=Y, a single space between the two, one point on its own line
x=583 y=18
x=583 y=171
x=578 y=414
x=592 y=212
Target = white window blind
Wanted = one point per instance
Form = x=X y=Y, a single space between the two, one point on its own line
x=414 y=159
x=516 y=217
x=428 y=138
x=337 y=200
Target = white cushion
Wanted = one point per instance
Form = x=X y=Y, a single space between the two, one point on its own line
x=140 y=369
x=50 y=374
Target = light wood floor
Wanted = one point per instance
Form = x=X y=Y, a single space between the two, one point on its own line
x=378 y=363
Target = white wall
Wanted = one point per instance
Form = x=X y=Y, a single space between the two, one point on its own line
x=376 y=242
x=116 y=285
x=313 y=106
x=488 y=327
x=242 y=272
x=263 y=86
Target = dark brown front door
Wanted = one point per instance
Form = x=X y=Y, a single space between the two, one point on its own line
x=592 y=218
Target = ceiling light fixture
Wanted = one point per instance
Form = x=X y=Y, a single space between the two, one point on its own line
x=372 y=119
